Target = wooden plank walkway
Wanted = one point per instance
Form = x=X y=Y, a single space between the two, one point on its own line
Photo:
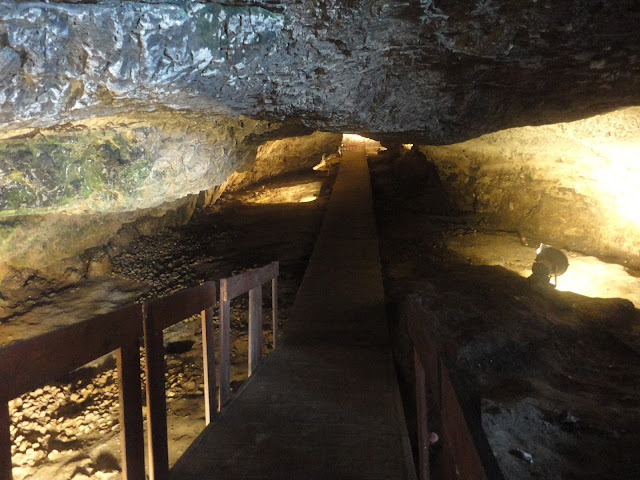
x=326 y=403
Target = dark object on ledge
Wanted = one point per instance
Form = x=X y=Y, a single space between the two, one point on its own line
x=550 y=262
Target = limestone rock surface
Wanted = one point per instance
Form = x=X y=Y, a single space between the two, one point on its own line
x=572 y=185
x=287 y=155
x=123 y=163
x=440 y=71
x=75 y=195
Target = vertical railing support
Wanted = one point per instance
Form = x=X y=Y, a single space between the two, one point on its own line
x=255 y=328
x=225 y=345
x=422 y=419
x=230 y=288
x=156 y=399
x=209 y=365
x=5 y=441
x=132 y=433
x=274 y=310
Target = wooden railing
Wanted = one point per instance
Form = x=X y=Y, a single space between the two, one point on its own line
x=29 y=364
x=161 y=314
x=442 y=404
x=231 y=288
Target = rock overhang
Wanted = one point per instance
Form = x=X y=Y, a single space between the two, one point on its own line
x=438 y=72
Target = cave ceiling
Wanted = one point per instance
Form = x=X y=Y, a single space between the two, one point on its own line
x=433 y=71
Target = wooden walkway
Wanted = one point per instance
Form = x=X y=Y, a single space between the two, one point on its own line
x=326 y=404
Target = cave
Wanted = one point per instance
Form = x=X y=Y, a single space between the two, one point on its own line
x=151 y=146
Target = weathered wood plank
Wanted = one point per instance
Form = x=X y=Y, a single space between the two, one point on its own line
x=27 y=364
x=180 y=305
x=255 y=328
x=422 y=419
x=156 y=400
x=132 y=434
x=274 y=310
x=5 y=441
x=209 y=365
x=224 y=331
x=454 y=425
x=243 y=282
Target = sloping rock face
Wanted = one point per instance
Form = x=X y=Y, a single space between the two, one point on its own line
x=441 y=71
x=72 y=195
x=125 y=162
x=288 y=155
x=73 y=198
x=67 y=189
x=572 y=185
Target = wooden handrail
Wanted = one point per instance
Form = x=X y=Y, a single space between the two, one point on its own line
x=160 y=314
x=466 y=452
x=230 y=288
x=28 y=364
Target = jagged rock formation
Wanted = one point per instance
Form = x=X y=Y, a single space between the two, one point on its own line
x=442 y=71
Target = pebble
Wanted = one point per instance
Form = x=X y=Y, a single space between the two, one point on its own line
x=522 y=455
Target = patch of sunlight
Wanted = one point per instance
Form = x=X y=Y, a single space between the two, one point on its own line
x=586 y=275
x=304 y=193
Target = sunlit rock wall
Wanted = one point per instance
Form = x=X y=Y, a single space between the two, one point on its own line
x=288 y=155
x=443 y=71
x=573 y=185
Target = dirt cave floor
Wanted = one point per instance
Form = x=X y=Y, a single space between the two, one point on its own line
x=557 y=373
x=69 y=429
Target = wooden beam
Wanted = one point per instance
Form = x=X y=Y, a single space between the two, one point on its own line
x=156 y=400
x=224 y=331
x=422 y=419
x=274 y=310
x=209 y=365
x=28 y=364
x=178 y=306
x=457 y=432
x=5 y=441
x=255 y=328
x=243 y=282
x=132 y=433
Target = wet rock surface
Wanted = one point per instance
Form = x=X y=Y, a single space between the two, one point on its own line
x=443 y=71
x=69 y=428
x=554 y=373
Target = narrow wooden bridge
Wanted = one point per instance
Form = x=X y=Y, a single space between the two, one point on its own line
x=326 y=403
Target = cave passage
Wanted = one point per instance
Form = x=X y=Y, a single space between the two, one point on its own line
x=325 y=405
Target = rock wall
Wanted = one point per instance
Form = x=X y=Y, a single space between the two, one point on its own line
x=436 y=71
x=70 y=196
x=124 y=163
x=573 y=185
x=288 y=155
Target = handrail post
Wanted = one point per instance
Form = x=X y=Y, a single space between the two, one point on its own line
x=225 y=345
x=274 y=310
x=156 y=400
x=422 y=418
x=209 y=365
x=255 y=328
x=132 y=432
x=5 y=441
